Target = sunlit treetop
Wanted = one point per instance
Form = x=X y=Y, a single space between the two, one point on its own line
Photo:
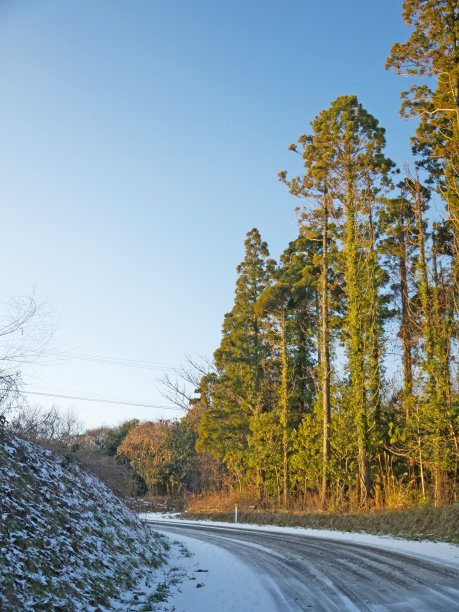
x=432 y=47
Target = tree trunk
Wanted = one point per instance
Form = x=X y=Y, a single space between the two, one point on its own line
x=355 y=348
x=284 y=403
x=325 y=358
x=374 y=357
x=405 y=328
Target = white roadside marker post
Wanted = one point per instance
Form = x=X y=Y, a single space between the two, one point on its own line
x=235 y=513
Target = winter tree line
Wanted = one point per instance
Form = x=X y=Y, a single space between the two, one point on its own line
x=335 y=383
x=335 y=379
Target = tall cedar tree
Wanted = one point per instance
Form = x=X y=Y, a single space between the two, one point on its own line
x=345 y=172
x=398 y=247
x=432 y=52
x=316 y=186
x=275 y=303
x=359 y=174
x=298 y=268
x=436 y=419
x=240 y=391
x=282 y=306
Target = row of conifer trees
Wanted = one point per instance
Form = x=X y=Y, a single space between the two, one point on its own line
x=336 y=370
x=336 y=379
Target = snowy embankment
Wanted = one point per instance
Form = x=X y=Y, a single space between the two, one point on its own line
x=440 y=552
x=67 y=543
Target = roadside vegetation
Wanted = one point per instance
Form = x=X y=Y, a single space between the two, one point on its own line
x=428 y=523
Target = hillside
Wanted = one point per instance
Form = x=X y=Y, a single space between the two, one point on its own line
x=66 y=542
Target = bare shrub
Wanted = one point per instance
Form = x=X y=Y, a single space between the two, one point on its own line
x=24 y=335
x=51 y=428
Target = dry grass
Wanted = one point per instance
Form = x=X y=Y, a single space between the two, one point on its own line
x=219 y=502
x=430 y=523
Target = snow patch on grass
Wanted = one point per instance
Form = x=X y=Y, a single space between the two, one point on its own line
x=67 y=543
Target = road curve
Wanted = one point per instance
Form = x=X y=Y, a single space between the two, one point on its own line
x=304 y=573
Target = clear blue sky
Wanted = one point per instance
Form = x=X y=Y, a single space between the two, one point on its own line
x=139 y=142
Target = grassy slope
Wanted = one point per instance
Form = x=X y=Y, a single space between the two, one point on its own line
x=66 y=543
x=425 y=523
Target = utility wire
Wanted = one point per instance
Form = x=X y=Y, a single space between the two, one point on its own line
x=131 y=363
x=102 y=400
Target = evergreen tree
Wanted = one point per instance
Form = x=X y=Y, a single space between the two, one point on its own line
x=298 y=268
x=112 y=438
x=398 y=247
x=282 y=306
x=316 y=186
x=431 y=52
x=346 y=172
x=242 y=388
x=436 y=419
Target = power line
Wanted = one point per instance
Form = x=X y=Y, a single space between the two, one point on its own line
x=113 y=360
x=102 y=400
x=130 y=363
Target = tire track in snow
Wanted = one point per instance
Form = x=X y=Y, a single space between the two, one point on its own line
x=303 y=573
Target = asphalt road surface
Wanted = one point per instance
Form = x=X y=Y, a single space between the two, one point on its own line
x=304 y=573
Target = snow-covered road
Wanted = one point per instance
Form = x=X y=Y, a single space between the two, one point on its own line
x=287 y=569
